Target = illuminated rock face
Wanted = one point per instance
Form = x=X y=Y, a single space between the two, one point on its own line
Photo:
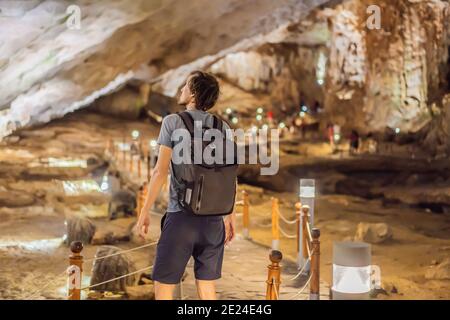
x=284 y=73
x=48 y=69
x=388 y=77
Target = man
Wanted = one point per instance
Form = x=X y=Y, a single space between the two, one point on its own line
x=184 y=234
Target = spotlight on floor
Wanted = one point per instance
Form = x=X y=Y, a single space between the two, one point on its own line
x=353 y=272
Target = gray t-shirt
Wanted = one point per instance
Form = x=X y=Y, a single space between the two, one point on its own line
x=169 y=124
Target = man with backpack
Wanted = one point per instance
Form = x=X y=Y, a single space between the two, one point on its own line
x=199 y=219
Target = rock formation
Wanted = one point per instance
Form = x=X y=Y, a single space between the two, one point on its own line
x=51 y=65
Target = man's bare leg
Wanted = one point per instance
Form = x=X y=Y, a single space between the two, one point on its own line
x=164 y=291
x=206 y=289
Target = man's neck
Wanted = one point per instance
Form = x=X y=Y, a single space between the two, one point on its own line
x=191 y=106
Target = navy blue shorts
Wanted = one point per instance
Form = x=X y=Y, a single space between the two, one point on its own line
x=184 y=235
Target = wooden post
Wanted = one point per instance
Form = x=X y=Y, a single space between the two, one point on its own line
x=314 y=287
x=275 y=225
x=113 y=149
x=305 y=240
x=124 y=151
x=139 y=166
x=75 y=270
x=148 y=166
x=108 y=146
x=274 y=275
x=298 y=207
x=131 y=163
x=245 y=215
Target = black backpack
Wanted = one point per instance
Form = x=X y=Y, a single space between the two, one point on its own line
x=207 y=189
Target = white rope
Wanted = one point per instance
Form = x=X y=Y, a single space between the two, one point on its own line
x=300 y=272
x=117 y=278
x=263 y=225
x=45 y=286
x=121 y=252
x=287 y=235
x=302 y=289
x=286 y=220
x=308 y=249
x=308 y=229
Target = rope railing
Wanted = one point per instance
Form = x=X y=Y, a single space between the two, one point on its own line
x=75 y=269
x=285 y=220
x=117 y=278
x=287 y=235
x=302 y=270
x=302 y=289
x=274 y=272
x=301 y=221
x=121 y=252
x=136 y=159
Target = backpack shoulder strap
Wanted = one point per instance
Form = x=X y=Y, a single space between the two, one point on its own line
x=217 y=123
x=188 y=121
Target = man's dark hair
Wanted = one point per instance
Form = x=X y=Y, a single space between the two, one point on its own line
x=205 y=88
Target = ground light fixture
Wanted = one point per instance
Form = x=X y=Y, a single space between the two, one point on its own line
x=153 y=152
x=307 y=194
x=135 y=134
x=353 y=275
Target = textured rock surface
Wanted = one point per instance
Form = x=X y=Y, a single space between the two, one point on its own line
x=142 y=292
x=388 y=77
x=373 y=232
x=440 y=271
x=285 y=73
x=51 y=70
x=79 y=229
x=112 y=267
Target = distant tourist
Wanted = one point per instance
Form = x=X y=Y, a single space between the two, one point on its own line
x=330 y=135
x=354 y=142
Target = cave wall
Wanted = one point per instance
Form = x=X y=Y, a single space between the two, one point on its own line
x=284 y=73
x=383 y=79
x=48 y=70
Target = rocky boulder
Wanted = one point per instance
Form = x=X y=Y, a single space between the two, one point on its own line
x=79 y=229
x=112 y=267
x=440 y=271
x=142 y=292
x=373 y=232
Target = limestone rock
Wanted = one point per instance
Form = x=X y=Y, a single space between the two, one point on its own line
x=142 y=292
x=440 y=271
x=79 y=229
x=373 y=232
x=125 y=103
x=15 y=199
x=123 y=203
x=112 y=267
x=68 y=69
x=105 y=237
